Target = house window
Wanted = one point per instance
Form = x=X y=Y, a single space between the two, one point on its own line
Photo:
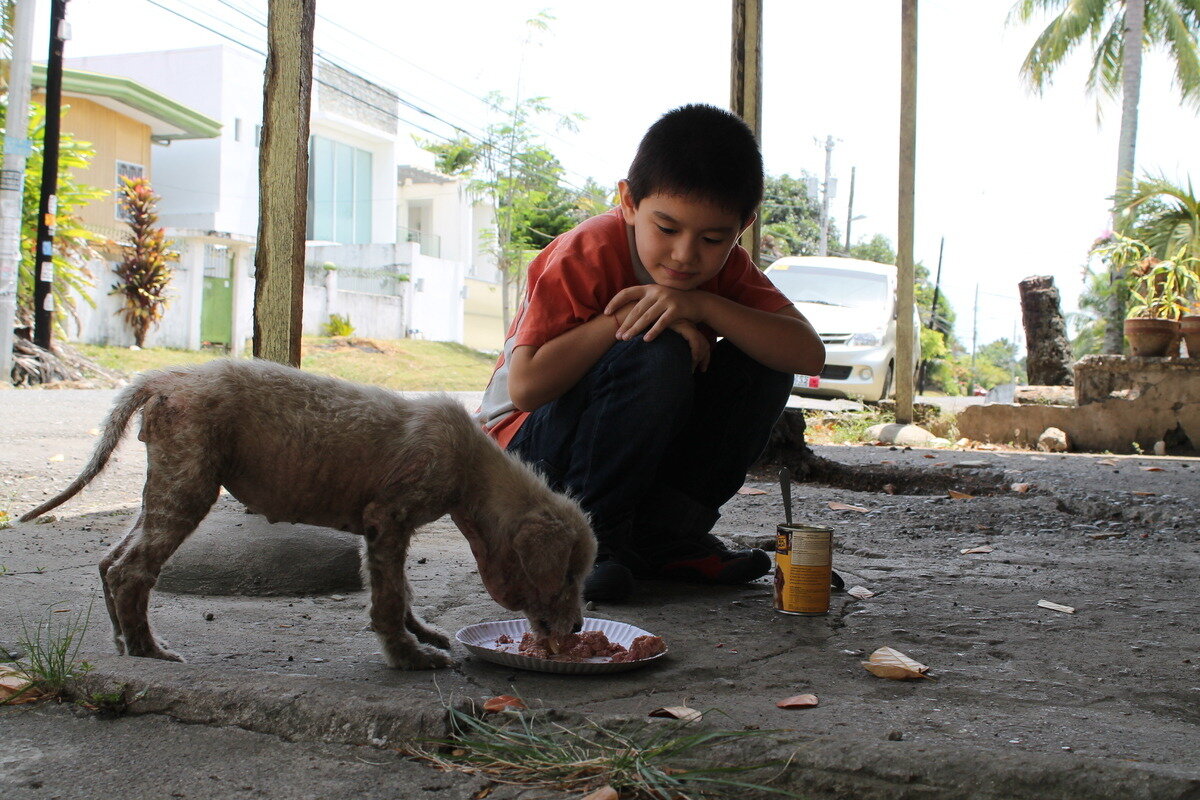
x=339 y=192
x=131 y=171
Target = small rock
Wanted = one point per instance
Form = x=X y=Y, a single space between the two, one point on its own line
x=337 y=597
x=1160 y=448
x=209 y=616
x=895 y=736
x=590 y=606
x=1054 y=440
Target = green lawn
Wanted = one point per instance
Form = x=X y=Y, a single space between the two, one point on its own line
x=407 y=364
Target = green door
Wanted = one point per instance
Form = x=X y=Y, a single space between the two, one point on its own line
x=216 y=308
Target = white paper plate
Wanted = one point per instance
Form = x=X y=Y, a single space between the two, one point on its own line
x=480 y=639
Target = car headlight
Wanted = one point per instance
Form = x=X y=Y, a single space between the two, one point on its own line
x=864 y=340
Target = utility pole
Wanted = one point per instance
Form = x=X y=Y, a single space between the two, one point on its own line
x=824 y=248
x=906 y=343
x=17 y=148
x=974 y=340
x=850 y=211
x=43 y=274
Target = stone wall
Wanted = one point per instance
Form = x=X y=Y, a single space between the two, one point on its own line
x=1123 y=405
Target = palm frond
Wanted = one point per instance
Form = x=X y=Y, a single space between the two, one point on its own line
x=1077 y=20
x=1179 y=28
x=1107 y=62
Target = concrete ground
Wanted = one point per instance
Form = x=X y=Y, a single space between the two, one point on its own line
x=1024 y=702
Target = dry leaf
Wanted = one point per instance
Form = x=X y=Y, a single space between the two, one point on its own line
x=15 y=689
x=677 y=712
x=939 y=463
x=1056 y=607
x=836 y=506
x=1145 y=494
x=928 y=455
x=983 y=548
x=955 y=495
x=799 y=701
x=888 y=663
x=603 y=793
x=1107 y=462
x=1021 y=488
x=750 y=490
x=503 y=702
x=890 y=488
x=861 y=592
x=1152 y=469
x=56 y=457
x=484 y=792
x=93 y=431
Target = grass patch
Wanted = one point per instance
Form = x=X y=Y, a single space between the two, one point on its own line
x=640 y=762
x=50 y=658
x=844 y=427
x=403 y=364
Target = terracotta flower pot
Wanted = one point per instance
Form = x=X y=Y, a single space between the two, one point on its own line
x=1190 y=328
x=1151 y=338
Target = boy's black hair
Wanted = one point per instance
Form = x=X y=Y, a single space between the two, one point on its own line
x=702 y=152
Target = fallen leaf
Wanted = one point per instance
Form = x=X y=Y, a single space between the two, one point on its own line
x=923 y=455
x=93 y=431
x=484 y=792
x=60 y=611
x=677 y=712
x=1021 y=488
x=1056 y=607
x=603 y=793
x=955 y=495
x=503 y=702
x=890 y=488
x=1107 y=535
x=56 y=457
x=1107 y=462
x=983 y=548
x=888 y=663
x=799 y=701
x=750 y=490
x=836 y=506
x=1152 y=469
x=1145 y=494
x=939 y=463
x=861 y=592
x=15 y=689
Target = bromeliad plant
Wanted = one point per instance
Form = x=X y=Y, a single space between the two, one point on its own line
x=145 y=270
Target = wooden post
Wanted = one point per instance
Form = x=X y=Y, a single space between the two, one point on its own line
x=905 y=340
x=745 y=87
x=283 y=182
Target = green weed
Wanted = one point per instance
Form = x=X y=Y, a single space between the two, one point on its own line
x=51 y=651
x=640 y=761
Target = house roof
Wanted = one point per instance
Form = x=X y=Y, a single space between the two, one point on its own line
x=406 y=172
x=167 y=118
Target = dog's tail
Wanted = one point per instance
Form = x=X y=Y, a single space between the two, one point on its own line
x=127 y=403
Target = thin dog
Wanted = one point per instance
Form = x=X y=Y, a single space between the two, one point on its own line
x=308 y=449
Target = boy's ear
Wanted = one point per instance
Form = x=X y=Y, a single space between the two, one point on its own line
x=628 y=207
x=746 y=225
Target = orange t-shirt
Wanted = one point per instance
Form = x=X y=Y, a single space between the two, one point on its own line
x=571 y=282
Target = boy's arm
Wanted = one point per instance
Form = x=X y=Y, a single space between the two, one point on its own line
x=537 y=375
x=782 y=340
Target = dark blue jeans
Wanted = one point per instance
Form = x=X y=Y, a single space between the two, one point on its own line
x=649 y=448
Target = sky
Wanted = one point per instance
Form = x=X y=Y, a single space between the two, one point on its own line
x=1015 y=184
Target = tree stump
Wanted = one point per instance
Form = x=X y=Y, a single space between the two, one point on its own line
x=1049 y=350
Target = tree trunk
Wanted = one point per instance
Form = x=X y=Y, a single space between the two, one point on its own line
x=745 y=88
x=1131 y=83
x=283 y=182
x=1049 y=351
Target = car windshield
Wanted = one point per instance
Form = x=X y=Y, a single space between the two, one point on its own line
x=831 y=287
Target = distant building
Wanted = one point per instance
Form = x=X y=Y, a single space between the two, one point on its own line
x=395 y=249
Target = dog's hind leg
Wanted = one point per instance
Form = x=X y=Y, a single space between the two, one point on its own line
x=110 y=558
x=175 y=500
x=387 y=548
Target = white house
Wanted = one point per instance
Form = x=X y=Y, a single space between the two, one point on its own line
x=361 y=263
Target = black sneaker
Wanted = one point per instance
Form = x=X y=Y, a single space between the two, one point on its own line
x=706 y=559
x=610 y=581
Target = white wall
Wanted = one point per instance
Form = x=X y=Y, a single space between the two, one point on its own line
x=436 y=300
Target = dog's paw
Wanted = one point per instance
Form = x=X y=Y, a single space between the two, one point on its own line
x=432 y=636
x=419 y=657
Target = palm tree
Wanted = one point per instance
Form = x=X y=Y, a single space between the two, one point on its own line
x=1118 y=31
x=1166 y=216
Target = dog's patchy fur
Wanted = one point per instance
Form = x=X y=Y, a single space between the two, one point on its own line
x=303 y=448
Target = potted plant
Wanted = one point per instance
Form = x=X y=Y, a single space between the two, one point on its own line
x=1159 y=298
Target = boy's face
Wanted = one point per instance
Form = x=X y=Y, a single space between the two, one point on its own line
x=682 y=242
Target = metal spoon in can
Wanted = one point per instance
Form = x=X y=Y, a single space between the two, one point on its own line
x=785 y=485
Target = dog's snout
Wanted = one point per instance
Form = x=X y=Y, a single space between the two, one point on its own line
x=577 y=627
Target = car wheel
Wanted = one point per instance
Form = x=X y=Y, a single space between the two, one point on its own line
x=887 y=383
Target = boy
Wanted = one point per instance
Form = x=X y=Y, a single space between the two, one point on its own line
x=611 y=381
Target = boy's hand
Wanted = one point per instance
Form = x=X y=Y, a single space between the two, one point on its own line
x=654 y=309
x=697 y=341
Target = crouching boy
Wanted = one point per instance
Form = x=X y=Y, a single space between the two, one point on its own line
x=612 y=381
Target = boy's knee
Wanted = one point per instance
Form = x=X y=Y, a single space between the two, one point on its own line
x=666 y=357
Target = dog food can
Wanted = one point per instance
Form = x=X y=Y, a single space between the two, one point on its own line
x=803 y=569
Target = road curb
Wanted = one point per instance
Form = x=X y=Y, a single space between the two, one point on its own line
x=304 y=708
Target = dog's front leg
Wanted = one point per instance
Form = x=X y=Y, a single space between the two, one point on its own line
x=386 y=551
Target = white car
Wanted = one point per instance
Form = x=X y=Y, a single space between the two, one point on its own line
x=852 y=304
